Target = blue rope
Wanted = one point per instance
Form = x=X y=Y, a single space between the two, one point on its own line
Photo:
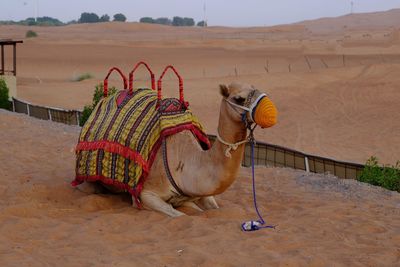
x=259 y=224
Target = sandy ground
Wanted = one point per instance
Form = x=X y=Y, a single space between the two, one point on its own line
x=335 y=83
x=321 y=220
x=336 y=91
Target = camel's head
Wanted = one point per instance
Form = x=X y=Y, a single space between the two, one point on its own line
x=247 y=104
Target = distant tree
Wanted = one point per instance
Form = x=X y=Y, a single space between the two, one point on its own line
x=28 y=21
x=188 y=22
x=146 y=20
x=177 y=21
x=8 y=22
x=89 y=18
x=119 y=17
x=40 y=21
x=48 y=21
x=72 y=22
x=202 y=24
x=105 y=18
x=163 y=21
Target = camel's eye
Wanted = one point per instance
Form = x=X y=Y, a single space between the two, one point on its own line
x=239 y=100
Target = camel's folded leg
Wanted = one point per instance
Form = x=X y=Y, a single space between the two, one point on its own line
x=152 y=201
x=91 y=188
x=208 y=203
x=191 y=204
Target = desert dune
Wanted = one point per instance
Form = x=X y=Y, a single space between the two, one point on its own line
x=325 y=85
x=337 y=92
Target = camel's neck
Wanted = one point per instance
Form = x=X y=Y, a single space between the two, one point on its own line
x=217 y=170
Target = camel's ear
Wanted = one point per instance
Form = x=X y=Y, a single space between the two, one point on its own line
x=223 y=89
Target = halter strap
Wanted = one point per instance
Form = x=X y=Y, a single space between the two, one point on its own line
x=248 y=109
x=230 y=145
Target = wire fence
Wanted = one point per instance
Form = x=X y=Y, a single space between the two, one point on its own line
x=264 y=154
x=70 y=117
x=290 y=63
x=277 y=156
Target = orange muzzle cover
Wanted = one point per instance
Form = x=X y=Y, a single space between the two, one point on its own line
x=265 y=113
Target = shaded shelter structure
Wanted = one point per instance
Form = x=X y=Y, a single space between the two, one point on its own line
x=9 y=75
x=13 y=43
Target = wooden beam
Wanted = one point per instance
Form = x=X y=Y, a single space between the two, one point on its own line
x=15 y=59
x=2 y=70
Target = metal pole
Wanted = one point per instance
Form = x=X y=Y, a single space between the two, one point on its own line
x=36 y=10
x=307 y=165
x=205 y=16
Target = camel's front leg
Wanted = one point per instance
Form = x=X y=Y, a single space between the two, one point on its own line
x=152 y=201
x=208 y=203
x=91 y=188
x=192 y=205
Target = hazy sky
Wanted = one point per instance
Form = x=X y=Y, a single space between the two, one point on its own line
x=219 y=12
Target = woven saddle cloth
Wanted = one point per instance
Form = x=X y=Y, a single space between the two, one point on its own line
x=119 y=142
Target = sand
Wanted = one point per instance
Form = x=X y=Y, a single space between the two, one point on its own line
x=320 y=220
x=344 y=107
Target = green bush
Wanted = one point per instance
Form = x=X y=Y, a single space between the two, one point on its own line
x=147 y=20
x=385 y=176
x=31 y=34
x=163 y=21
x=179 y=21
x=104 y=18
x=40 y=21
x=4 y=102
x=84 y=76
x=87 y=110
x=202 y=24
x=87 y=17
x=119 y=17
x=97 y=96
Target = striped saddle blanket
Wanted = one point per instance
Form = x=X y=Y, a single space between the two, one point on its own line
x=119 y=142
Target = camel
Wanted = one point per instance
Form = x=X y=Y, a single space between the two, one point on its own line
x=200 y=175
